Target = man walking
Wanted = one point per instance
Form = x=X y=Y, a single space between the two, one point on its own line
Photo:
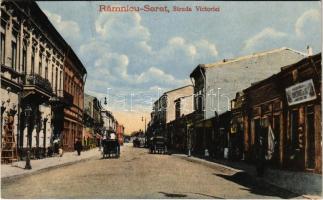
x=78 y=146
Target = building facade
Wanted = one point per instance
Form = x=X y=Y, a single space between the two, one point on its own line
x=172 y=105
x=120 y=133
x=93 y=122
x=216 y=84
x=109 y=122
x=289 y=103
x=74 y=81
x=33 y=55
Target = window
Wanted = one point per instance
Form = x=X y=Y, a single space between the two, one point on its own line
x=56 y=79
x=13 y=54
x=2 y=48
x=61 y=78
x=52 y=79
x=33 y=61
x=177 y=109
x=40 y=65
x=46 y=69
x=24 y=58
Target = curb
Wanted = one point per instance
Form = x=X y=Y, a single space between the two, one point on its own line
x=13 y=177
x=224 y=168
x=207 y=163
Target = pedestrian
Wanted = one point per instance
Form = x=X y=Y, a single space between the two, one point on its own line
x=78 y=146
x=60 y=151
x=261 y=151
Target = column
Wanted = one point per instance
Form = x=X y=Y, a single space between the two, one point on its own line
x=50 y=62
x=37 y=50
x=29 y=53
x=20 y=46
x=62 y=82
x=8 y=34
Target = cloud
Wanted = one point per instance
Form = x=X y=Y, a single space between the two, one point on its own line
x=68 y=28
x=209 y=48
x=264 y=35
x=121 y=27
x=191 y=49
x=306 y=17
x=155 y=75
x=132 y=65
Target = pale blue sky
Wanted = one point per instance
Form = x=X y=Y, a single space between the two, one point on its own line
x=144 y=51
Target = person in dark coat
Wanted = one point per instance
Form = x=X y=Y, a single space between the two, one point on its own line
x=261 y=152
x=78 y=146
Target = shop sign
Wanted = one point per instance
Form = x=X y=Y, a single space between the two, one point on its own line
x=300 y=92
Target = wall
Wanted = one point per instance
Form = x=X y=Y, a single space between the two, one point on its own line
x=231 y=77
x=186 y=105
x=171 y=97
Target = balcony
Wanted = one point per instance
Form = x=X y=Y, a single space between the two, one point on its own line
x=34 y=82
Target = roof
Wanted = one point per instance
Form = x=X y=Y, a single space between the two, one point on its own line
x=44 y=24
x=283 y=69
x=241 y=58
x=178 y=99
x=178 y=89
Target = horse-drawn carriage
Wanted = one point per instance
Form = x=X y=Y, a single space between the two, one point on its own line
x=158 y=144
x=111 y=148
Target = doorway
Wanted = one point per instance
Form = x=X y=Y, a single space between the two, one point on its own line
x=310 y=137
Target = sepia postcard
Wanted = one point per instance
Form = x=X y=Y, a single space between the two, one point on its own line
x=161 y=99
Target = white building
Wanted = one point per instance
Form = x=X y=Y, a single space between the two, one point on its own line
x=164 y=107
x=32 y=56
x=216 y=84
x=109 y=122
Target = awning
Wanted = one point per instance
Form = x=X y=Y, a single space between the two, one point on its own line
x=87 y=135
x=207 y=123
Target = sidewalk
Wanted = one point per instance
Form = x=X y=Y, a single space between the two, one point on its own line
x=16 y=169
x=307 y=184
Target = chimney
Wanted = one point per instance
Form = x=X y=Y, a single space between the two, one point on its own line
x=309 y=51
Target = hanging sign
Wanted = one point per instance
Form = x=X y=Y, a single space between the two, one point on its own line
x=300 y=92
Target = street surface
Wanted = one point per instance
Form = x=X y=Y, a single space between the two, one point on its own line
x=138 y=174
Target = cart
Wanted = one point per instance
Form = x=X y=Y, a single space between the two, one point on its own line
x=111 y=148
x=158 y=145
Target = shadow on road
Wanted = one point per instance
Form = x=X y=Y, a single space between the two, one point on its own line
x=177 y=195
x=173 y=195
x=258 y=187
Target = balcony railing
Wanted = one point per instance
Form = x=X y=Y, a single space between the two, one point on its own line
x=37 y=80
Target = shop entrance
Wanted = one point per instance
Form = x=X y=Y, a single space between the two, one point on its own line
x=310 y=145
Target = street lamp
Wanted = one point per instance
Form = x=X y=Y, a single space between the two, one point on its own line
x=28 y=111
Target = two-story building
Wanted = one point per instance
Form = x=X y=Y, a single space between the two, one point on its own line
x=32 y=53
x=74 y=81
x=216 y=84
x=93 y=122
x=33 y=58
x=109 y=122
x=164 y=112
